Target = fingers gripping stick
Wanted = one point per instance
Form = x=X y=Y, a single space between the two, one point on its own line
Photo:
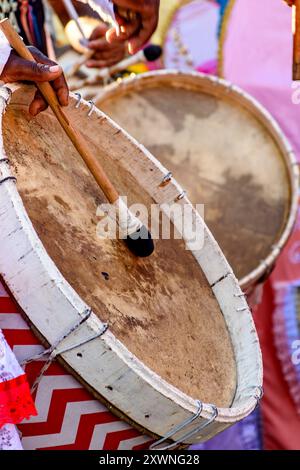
x=137 y=242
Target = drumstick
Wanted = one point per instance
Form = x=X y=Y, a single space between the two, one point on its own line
x=137 y=237
x=296 y=31
x=77 y=65
x=74 y=16
x=87 y=55
x=128 y=15
x=150 y=53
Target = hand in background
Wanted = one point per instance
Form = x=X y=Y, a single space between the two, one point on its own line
x=138 y=27
x=106 y=54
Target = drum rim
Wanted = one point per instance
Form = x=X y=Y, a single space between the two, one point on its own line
x=265 y=119
x=165 y=390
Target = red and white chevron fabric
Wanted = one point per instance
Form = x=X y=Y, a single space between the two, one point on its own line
x=68 y=416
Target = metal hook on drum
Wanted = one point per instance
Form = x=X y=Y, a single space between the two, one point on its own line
x=181 y=196
x=92 y=106
x=176 y=429
x=194 y=431
x=166 y=179
x=79 y=99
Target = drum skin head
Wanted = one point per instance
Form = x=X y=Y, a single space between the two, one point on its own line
x=217 y=147
x=161 y=308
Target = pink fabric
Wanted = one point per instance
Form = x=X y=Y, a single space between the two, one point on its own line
x=197 y=26
x=258 y=57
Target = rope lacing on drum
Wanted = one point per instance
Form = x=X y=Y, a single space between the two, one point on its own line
x=177 y=428
x=182 y=426
x=52 y=352
x=155 y=446
x=8 y=178
x=259 y=393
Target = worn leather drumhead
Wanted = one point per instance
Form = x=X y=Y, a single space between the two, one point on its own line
x=222 y=148
x=161 y=308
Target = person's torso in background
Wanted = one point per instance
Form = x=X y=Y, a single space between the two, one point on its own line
x=27 y=16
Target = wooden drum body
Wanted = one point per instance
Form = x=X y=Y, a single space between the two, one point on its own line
x=179 y=328
x=226 y=151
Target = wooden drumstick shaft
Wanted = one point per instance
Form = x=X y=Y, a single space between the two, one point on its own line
x=74 y=15
x=124 y=13
x=77 y=65
x=77 y=139
x=87 y=55
x=135 y=234
x=296 y=51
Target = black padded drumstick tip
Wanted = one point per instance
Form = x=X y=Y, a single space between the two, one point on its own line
x=140 y=243
x=152 y=52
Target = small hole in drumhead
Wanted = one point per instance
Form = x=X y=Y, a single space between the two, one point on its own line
x=105 y=275
x=147 y=416
x=79 y=355
x=109 y=387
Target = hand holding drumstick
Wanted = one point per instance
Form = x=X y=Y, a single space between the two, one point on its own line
x=137 y=21
x=41 y=70
x=137 y=237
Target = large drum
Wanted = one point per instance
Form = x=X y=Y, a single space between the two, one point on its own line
x=180 y=357
x=226 y=151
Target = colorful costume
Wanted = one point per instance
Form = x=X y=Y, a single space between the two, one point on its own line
x=15 y=400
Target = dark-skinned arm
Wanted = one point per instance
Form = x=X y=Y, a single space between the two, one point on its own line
x=81 y=8
x=43 y=70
